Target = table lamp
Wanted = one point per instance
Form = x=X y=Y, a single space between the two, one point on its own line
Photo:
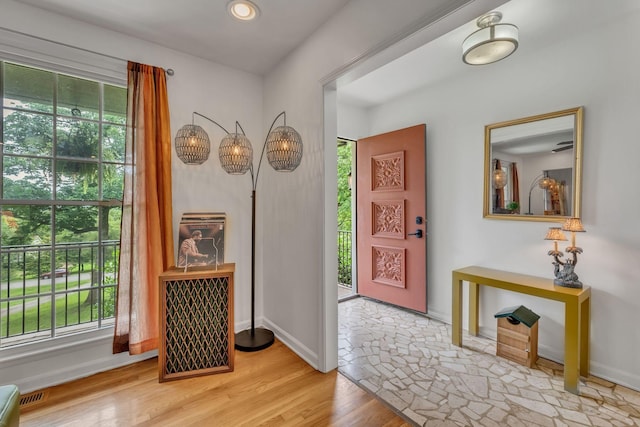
x=564 y=270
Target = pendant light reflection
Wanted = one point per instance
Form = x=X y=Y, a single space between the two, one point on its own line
x=499 y=179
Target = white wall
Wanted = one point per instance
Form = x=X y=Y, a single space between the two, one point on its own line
x=221 y=93
x=298 y=210
x=598 y=70
x=353 y=122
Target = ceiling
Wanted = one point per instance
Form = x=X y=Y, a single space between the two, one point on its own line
x=541 y=23
x=205 y=29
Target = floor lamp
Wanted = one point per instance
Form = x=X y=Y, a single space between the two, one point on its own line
x=542 y=181
x=283 y=146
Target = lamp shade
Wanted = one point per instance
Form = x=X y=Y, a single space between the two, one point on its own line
x=235 y=153
x=546 y=182
x=499 y=179
x=555 y=233
x=192 y=145
x=573 y=224
x=491 y=43
x=284 y=149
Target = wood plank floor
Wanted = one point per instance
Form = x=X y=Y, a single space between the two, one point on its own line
x=273 y=387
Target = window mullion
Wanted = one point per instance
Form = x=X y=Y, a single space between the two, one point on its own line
x=54 y=177
x=100 y=198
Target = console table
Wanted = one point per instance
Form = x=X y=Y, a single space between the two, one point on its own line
x=576 y=312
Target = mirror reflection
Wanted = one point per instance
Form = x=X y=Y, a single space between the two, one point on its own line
x=532 y=167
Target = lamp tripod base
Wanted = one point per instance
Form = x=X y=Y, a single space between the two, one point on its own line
x=259 y=340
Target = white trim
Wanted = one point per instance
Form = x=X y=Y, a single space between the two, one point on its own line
x=328 y=291
x=53 y=56
x=32 y=351
x=294 y=345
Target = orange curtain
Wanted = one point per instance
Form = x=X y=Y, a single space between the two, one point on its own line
x=515 y=184
x=146 y=241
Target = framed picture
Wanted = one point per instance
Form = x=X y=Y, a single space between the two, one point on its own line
x=201 y=242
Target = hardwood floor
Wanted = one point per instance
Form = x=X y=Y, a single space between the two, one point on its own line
x=273 y=387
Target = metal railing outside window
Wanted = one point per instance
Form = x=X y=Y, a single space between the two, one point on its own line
x=83 y=291
x=344 y=258
x=62 y=159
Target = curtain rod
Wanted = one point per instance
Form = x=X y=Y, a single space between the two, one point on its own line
x=168 y=71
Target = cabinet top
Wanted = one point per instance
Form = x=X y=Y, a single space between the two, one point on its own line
x=199 y=271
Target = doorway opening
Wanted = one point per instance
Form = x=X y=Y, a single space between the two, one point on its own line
x=345 y=215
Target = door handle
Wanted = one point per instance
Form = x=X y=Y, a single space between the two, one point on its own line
x=418 y=234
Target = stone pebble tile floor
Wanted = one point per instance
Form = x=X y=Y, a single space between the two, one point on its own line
x=408 y=361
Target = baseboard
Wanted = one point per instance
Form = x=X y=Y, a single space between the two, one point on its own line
x=442 y=317
x=246 y=324
x=296 y=346
x=617 y=376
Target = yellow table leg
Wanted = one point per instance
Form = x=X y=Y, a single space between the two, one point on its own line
x=571 y=346
x=585 y=313
x=474 y=290
x=456 y=312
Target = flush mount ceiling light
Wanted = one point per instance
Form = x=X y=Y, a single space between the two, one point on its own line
x=492 y=42
x=243 y=10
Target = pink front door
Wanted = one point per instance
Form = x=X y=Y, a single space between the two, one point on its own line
x=391 y=208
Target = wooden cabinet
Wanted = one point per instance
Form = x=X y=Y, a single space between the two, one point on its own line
x=518 y=343
x=196 y=322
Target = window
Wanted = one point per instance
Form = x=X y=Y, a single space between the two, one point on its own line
x=506 y=167
x=62 y=161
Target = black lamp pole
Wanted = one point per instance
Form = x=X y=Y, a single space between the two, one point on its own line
x=253 y=339
x=256 y=339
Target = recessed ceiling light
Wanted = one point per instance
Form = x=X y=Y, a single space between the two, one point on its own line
x=243 y=10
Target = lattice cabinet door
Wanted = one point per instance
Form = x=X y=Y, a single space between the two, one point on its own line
x=196 y=322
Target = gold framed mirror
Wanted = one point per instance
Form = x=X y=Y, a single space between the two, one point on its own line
x=532 y=167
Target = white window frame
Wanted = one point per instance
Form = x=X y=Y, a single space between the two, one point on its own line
x=57 y=57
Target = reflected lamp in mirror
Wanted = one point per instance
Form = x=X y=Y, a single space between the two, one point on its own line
x=564 y=271
x=541 y=181
x=499 y=179
x=547 y=146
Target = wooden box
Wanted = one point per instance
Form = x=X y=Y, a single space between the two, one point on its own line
x=196 y=322
x=518 y=343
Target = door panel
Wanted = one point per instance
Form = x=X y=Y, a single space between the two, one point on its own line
x=391 y=194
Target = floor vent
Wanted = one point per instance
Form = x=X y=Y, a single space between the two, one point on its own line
x=31 y=399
